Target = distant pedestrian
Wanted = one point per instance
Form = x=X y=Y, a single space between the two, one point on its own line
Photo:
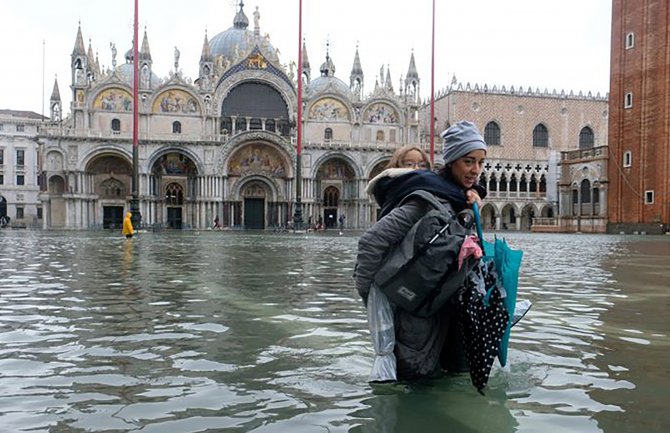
x=341 y=220
x=128 y=229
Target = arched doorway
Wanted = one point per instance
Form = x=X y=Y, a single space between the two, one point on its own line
x=254 y=195
x=56 y=189
x=174 y=200
x=331 y=198
x=112 y=176
x=336 y=185
x=174 y=187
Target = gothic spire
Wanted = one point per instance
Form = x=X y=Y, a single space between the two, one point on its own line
x=55 y=93
x=357 y=69
x=411 y=71
x=79 y=49
x=206 y=55
x=145 y=52
x=305 y=60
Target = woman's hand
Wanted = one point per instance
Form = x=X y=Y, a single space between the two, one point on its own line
x=472 y=196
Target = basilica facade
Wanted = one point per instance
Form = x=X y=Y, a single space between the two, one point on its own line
x=224 y=145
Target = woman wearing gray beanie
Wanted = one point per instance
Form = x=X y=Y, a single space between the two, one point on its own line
x=423 y=345
x=464 y=153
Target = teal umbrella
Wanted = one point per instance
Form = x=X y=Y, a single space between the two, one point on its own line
x=507 y=263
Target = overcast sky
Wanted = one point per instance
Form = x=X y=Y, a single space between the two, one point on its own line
x=553 y=44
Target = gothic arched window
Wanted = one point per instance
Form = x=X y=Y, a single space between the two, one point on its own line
x=586 y=138
x=540 y=136
x=492 y=134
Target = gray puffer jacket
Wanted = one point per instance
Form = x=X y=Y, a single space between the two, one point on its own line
x=423 y=345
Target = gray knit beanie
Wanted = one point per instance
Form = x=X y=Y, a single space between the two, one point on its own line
x=461 y=139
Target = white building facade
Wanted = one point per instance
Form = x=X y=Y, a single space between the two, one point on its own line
x=19 y=169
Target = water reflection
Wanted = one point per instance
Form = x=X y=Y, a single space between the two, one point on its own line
x=219 y=331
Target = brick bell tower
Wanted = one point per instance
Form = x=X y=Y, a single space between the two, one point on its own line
x=639 y=117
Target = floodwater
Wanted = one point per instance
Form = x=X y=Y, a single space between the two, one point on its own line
x=208 y=331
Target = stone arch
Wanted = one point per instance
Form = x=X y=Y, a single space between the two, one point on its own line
x=358 y=173
x=528 y=213
x=250 y=104
x=272 y=189
x=111 y=173
x=509 y=215
x=163 y=151
x=489 y=215
x=228 y=83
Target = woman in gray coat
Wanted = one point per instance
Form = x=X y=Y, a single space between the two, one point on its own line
x=423 y=345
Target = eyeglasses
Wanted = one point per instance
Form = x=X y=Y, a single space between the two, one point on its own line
x=414 y=164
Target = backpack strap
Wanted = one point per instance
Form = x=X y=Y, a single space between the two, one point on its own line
x=428 y=197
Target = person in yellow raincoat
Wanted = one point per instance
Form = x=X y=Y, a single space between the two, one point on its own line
x=128 y=226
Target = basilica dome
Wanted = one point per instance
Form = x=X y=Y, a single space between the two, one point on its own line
x=328 y=82
x=237 y=39
x=126 y=74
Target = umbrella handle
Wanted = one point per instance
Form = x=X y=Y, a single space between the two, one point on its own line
x=478 y=224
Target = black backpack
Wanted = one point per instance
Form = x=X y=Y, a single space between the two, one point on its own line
x=420 y=274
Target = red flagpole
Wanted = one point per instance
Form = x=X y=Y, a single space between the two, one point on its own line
x=432 y=92
x=134 y=200
x=136 y=76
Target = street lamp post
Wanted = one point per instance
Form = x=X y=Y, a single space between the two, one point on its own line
x=297 y=212
x=136 y=217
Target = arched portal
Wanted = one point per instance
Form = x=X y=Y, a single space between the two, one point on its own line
x=173 y=186
x=112 y=177
x=335 y=180
x=254 y=196
x=56 y=215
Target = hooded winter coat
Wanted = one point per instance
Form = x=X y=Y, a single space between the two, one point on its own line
x=128 y=225
x=423 y=345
